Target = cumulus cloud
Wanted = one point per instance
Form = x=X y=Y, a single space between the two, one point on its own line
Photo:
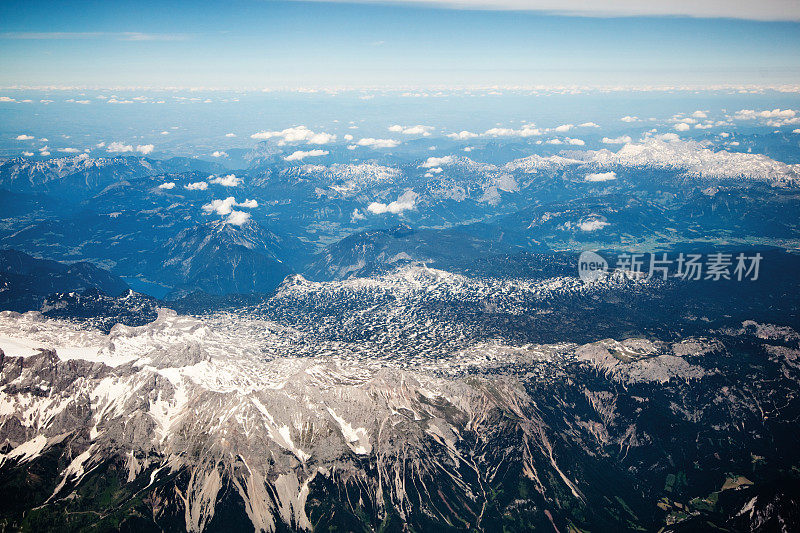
x=588 y=125
x=463 y=135
x=378 y=143
x=528 y=130
x=251 y=204
x=27 y=154
x=404 y=202
x=225 y=207
x=437 y=161
x=601 y=176
x=117 y=147
x=628 y=118
x=220 y=207
x=227 y=181
x=230 y=135
x=774 y=118
x=196 y=186
x=219 y=153
x=592 y=225
x=750 y=114
x=69 y=150
x=145 y=148
x=295 y=135
x=668 y=137
x=564 y=128
x=299 y=155
x=682 y=126
x=24 y=137
x=237 y=218
x=6 y=99
x=412 y=130
x=167 y=186
x=356 y=216
x=625 y=139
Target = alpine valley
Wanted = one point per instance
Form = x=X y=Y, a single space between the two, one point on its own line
x=393 y=336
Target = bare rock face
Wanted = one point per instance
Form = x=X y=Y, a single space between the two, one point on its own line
x=242 y=421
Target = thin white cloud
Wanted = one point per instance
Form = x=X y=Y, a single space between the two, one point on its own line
x=628 y=118
x=69 y=150
x=117 y=36
x=24 y=137
x=169 y=185
x=219 y=153
x=764 y=10
x=196 y=186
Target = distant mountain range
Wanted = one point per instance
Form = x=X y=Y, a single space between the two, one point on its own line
x=167 y=222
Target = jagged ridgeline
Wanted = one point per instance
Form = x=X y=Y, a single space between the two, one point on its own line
x=255 y=420
x=393 y=338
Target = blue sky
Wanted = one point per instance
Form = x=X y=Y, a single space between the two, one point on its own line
x=289 y=44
